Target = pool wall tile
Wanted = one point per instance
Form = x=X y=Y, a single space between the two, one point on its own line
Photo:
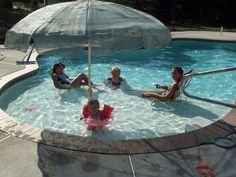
x=223 y=125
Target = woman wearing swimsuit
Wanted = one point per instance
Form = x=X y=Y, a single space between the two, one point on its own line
x=116 y=79
x=62 y=81
x=170 y=92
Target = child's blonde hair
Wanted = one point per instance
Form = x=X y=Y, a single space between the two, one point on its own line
x=116 y=68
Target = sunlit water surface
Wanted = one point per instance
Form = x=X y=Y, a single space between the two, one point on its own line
x=36 y=101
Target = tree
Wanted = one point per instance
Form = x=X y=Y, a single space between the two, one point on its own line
x=7 y=4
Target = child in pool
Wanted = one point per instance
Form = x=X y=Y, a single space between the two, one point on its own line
x=94 y=111
x=170 y=92
x=91 y=110
x=116 y=79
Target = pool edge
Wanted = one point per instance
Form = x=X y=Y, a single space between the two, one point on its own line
x=10 y=125
x=10 y=79
x=222 y=128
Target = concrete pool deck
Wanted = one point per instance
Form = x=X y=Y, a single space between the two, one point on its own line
x=23 y=157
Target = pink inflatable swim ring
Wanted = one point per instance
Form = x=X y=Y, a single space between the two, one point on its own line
x=106 y=113
x=97 y=123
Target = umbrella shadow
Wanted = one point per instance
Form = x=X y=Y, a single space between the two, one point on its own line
x=76 y=95
x=184 y=108
x=191 y=110
x=55 y=162
x=111 y=86
x=73 y=96
x=52 y=161
x=124 y=87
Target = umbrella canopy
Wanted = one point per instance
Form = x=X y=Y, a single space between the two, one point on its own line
x=70 y=26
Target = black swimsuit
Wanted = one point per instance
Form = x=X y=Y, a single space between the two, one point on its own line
x=63 y=79
x=116 y=83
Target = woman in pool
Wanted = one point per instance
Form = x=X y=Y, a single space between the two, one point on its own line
x=170 y=92
x=62 y=81
x=116 y=79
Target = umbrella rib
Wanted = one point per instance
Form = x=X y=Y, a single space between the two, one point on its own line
x=50 y=17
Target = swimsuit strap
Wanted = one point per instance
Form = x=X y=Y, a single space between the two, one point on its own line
x=116 y=83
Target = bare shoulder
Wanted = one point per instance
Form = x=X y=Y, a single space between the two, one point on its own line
x=174 y=84
x=54 y=76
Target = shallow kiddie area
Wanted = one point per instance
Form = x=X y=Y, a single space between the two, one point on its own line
x=37 y=102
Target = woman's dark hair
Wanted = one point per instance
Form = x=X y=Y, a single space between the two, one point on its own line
x=180 y=70
x=56 y=65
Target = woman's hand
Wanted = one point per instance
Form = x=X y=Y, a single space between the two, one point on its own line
x=161 y=86
x=157 y=86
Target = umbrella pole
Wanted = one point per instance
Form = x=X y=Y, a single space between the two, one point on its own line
x=89 y=70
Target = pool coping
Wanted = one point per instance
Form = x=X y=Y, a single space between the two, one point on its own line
x=8 y=124
x=228 y=37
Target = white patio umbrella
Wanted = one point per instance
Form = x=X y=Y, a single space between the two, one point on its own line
x=103 y=27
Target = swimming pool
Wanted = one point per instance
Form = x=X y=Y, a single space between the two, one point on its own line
x=36 y=102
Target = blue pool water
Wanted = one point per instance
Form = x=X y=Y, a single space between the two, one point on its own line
x=36 y=102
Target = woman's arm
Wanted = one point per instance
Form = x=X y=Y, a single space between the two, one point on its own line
x=66 y=75
x=70 y=78
x=168 y=94
x=161 y=86
x=58 y=85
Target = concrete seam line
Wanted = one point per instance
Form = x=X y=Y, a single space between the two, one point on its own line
x=131 y=166
x=8 y=63
x=2 y=57
x=5 y=138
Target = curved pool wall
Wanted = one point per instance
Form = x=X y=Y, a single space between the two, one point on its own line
x=28 y=71
x=222 y=127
